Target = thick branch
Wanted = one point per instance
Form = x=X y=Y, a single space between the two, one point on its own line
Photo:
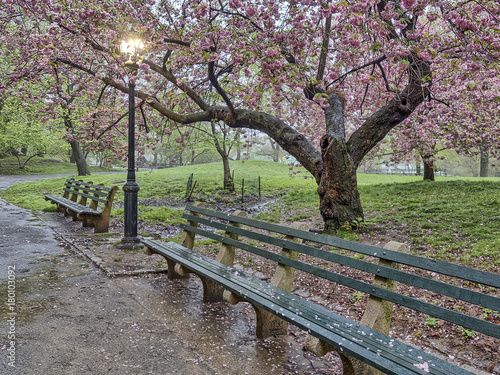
x=220 y=90
x=324 y=49
x=176 y=41
x=205 y=115
x=288 y=138
x=334 y=112
x=393 y=113
x=169 y=76
x=152 y=102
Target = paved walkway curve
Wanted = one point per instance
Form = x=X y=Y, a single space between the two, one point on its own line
x=6 y=181
x=62 y=315
x=21 y=232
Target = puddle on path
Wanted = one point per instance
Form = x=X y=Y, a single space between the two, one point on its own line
x=222 y=335
x=37 y=285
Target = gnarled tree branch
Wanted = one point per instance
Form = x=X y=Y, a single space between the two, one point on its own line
x=222 y=93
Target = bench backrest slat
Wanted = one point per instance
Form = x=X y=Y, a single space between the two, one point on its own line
x=95 y=189
x=87 y=195
x=87 y=190
x=86 y=184
x=445 y=268
x=449 y=290
x=96 y=192
x=413 y=303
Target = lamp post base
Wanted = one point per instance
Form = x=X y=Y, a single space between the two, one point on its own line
x=130 y=239
x=130 y=243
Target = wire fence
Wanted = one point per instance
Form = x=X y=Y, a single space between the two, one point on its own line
x=247 y=187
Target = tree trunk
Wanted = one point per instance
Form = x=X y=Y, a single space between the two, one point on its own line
x=71 y=157
x=276 y=150
x=81 y=162
x=238 y=147
x=484 y=163
x=428 y=170
x=228 y=181
x=193 y=156
x=224 y=154
x=77 y=153
x=340 y=205
x=334 y=168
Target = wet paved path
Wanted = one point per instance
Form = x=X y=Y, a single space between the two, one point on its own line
x=72 y=319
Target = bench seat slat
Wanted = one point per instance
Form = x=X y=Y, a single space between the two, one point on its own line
x=449 y=290
x=322 y=319
x=68 y=203
x=388 y=355
x=450 y=269
x=413 y=303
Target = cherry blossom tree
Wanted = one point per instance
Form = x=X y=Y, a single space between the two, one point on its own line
x=466 y=121
x=327 y=80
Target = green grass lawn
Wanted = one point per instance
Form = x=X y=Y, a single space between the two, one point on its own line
x=450 y=219
x=171 y=183
x=456 y=218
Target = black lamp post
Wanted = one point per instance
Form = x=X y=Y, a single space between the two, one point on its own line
x=131 y=188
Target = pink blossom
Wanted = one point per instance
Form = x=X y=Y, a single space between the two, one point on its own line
x=425 y=55
x=365 y=78
x=409 y=4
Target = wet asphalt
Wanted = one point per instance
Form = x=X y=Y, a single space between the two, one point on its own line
x=61 y=314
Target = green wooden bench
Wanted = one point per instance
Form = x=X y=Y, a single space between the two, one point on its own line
x=87 y=202
x=365 y=347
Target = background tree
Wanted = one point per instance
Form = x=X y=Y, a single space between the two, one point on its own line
x=220 y=136
x=464 y=120
x=339 y=76
x=24 y=135
x=66 y=110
